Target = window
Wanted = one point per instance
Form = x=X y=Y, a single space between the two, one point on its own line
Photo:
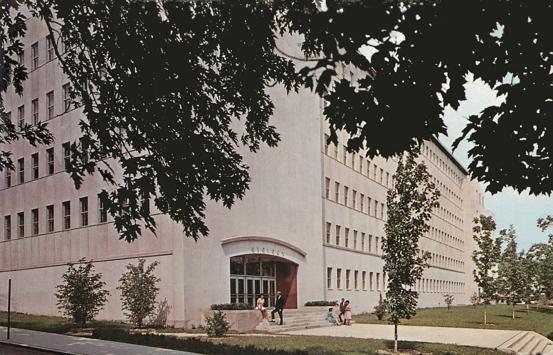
x=49 y=48
x=370 y=243
x=355 y=278
x=66 y=147
x=374 y=171
x=387 y=179
x=34 y=165
x=66 y=207
x=83 y=203
x=346 y=190
x=21 y=57
x=102 y=212
x=376 y=245
x=338 y=278
x=326 y=143
x=345 y=158
x=369 y=206
x=34 y=55
x=34 y=110
x=354 y=239
x=50 y=104
x=346 y=237
x=327 y=187
x=381 y=175
x=382 y=211
x=21 y=115
x=364 y=280
x=328 y=277
x=353 y=199
x=328 y=226
x=34 y=221
x=21 y=224
x=337 y=235
x=375 y=208
x=337 y=191
x=8 y=177
x=50 y=218
x=347 y=279
x=66 y=97
x=371 y=281
x=21 y=167
x=7 y=227
x=368 y=168
x=361 y=164
x=377 y=281
x=363 y=241
x=362 y=201
x=50 y=154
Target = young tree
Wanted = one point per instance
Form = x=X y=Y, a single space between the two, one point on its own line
x=448 y=299
x=512 y=280
x=474 y=300
x=139 y=291
x=544 y=260
x=81 y=295
x=485 y=258
x=410 y=203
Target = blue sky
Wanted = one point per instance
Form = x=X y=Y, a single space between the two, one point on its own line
x=509 y=207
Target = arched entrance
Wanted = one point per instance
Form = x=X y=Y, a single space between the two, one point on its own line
x=262 y=265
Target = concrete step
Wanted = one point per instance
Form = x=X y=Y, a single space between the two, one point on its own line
x=516 y=343
x=540 y=346
x=299 y=326
x=548 y=350
x=530 y=344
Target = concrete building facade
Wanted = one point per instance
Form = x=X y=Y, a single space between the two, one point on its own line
x=310 y=225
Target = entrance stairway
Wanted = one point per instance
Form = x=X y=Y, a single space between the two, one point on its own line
x=528 y=343
x=296 y=319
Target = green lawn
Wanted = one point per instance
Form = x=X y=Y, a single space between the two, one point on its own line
x=499 y=317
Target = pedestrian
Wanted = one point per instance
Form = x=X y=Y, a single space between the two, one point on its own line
x=330 y=317
x=347 y=313
x=279 y=307
x=341 y=313
x=261 y=306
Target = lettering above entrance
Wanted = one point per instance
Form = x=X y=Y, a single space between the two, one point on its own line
x=243 y=245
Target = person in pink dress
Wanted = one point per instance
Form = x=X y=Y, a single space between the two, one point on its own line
x=347 y=312
x=261 y=306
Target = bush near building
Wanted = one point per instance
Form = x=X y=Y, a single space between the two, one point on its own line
x=321 y=303
x=230 y=306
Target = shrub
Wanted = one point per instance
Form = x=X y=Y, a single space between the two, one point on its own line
x=81 y=295
x=230 y=306
x=320 y=303
x=159 y=318
x=217 y=324
x=550 y=336
x=380 y=309
x=139 y=291
x=448 y=299
x=112 y=332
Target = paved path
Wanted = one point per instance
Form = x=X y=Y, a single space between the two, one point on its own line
x=482 y=338
x=64 y=344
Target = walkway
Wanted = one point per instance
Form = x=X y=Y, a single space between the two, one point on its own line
x=482 y=338
x=64 y=344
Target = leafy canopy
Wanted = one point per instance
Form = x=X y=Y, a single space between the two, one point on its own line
x=486 y=257
x=162 y=85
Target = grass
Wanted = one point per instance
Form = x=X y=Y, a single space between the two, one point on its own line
x=499 y=317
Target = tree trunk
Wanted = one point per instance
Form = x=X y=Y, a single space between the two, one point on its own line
x=527 y=308
x=485 y=315
x=395 y=338
x=513 y=311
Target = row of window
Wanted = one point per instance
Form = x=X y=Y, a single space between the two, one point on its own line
x=447 y=215
x=49 y=165
x=358 y=201
x=358 y=163
x=49 y=107
x=35 y=52
x=444 y=237
x=446 y=191
x=374 y=284
x=49 y=216
x=425 y=285
x=440 y=163
x=444 y=261
x=372 y=248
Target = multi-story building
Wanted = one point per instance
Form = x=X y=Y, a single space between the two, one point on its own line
x=311 y=224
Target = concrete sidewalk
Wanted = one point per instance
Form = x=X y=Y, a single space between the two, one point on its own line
x=64 y=344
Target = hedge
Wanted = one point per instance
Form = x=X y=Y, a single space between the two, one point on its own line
x=321 y=303
x=230 y=306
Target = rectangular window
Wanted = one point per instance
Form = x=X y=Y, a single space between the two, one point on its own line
x=328 y=226
x=375 y=168
x=376 y=245
x=337 y=235
x=377 y=281
x=34 y=221
x=83 y=203
x=102 y=212
x=50 y=48
x=34 y=55
x=66 y=97
x=375 y=208
x=337 y=192
x=50 y=154
x=361 y=164
x=345 y=157
x=370 y=243
x=21 y=115
x=21 y=167
x=346 y=190
x=354 y=239
x=50 y=104
x=8 y=177
x=338 y=278
x=371 y=281
x=326 y=143
x=346 y=237
x=21 y=57
x=363 y=241
x=329 y=277
x=50 y=218
x=354 y=199
x=368 y=168
x=34 y=110
x=66 y=208
x=327 y=188
x=381 y=175
x=66 y=147
x=364 y=280
x=362 y=200
x=347 y=279
x=355 y=280
x=21 y=224
x=381 y=211
x=387 y=179
x=7 y=227
x=369 y=206
x=34 y=165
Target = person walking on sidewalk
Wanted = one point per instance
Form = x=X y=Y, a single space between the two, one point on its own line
x=341 y=312
x=279 y=306
x=347 y=313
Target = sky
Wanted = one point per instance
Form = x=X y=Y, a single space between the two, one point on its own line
x=509 y=207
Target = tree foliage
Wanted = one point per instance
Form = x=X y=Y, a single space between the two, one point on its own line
x=448 y=299
x=81 y=295
x=163 y=84
x=410 y=203
x=139 y=291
